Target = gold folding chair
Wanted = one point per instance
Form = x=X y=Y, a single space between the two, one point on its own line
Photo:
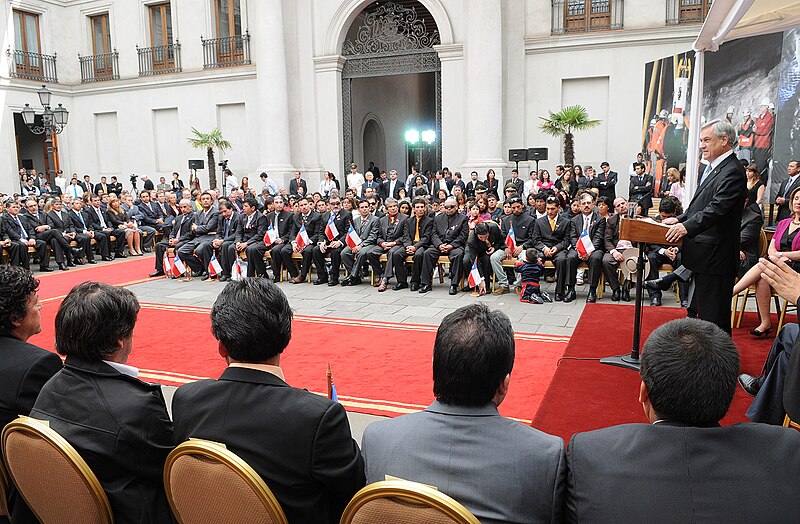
x=205 y=482
x=51 y=476
x=402 y=501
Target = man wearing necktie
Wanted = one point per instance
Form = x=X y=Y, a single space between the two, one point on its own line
x=710 y=227
x=641 y=187
x=551 y=237
x=312 y=221
x=195 y=252
x=340 y=219
x=181 y=232
x=281 y=222
x=392 y=239
x=20 y=231
x=83 y=233
x=420 y=231
x=366 y=226
x=103 y=233
x=589 y=220
x=224 y=241
x=786 y=188
x=449 y=235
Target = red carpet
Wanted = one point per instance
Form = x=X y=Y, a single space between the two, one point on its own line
x=127 y=271
x=585 y=395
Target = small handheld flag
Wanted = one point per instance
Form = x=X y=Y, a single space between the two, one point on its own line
x=302 y=238
x=214 y=267
x=177 y=268
x=271 y=236
x=511 y=241
x=236 y=270
x=166 y=265
x=331 y=386
x=475 y=277
x=330 y=230
x=352 y=237
x=584 y=245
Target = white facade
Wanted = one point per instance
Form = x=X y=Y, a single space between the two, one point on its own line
x=500 y=71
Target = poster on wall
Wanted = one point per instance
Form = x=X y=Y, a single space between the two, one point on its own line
x=787 y=118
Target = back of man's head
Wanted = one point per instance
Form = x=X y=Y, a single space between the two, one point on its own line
x=252 y=319
x=689 y=368
x=472 y=355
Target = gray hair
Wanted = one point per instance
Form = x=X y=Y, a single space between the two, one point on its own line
x=185 y=201
x=451 y=198
x=390 y=201
x=723 y=128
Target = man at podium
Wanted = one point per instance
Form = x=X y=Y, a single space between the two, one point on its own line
x=710 y=226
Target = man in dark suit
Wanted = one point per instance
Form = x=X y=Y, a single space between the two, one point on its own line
x=83 y=233
x=551 y=237
x=251 y=230
x=392 y=239
x=204 y=230
x=101 y=186
x=24 y=368
x=180 y=233
x=469 y=189
x=278 y=223
x=115 y=187
x=369 y=184
x=365 y=225
x=684 y=467
x=103 y=232
x=641 y=187
x=59 y=221
x=606 y=182
x=659 y=255
x=786 y=188
x=21 y=232
x=116 y=422
x=296 y=183
x=710 y=226
x=485 y=239
x=516 y=181
x=522 y=225
x=14 y=249
x=419 y=229
x=331 y=242
x=152 y=212
x=391 y=188
x=298 y=442
x=224 y=241
x=450 y=230
x=589 y=220
x=38 y=221
x=308 y=220
x=501 y=470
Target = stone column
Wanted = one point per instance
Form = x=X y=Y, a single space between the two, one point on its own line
x=453 y=136
x=330 y=136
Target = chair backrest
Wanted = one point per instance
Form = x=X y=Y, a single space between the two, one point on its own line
x=205 y=482
x=763 y=244
x=54 y=480
x=392 y=501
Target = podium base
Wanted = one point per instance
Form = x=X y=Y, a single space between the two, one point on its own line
x=622 y=361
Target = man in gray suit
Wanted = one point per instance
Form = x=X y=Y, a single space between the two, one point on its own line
x=366 y=226
x=684 y=467
x=501 y=470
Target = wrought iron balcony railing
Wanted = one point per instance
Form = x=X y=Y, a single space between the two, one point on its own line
x=581 y=16
x=99 y=68
x=32 y=66
x=687 y=11
x=159 y=60
x=226 y=52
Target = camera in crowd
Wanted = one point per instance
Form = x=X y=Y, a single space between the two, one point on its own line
x=223 y=164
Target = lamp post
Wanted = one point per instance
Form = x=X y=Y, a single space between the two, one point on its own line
x=53 y=121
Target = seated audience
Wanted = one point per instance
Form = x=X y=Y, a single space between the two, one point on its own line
x=298 y=442
x=551 y=237
x=684 y=467
x=501 y=470
x=117 y=423
x=589 y=220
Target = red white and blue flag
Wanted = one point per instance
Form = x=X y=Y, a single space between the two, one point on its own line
x=352 y=237
x=177 y=269
x=271 y=236
x=214 y=267
x=166 y=265
x=584 y=245
x=511 y=241
x=330 y=230
x=237 y=273
x=475 y=277
x=302 y=238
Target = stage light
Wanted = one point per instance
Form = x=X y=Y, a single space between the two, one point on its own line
x=412 y=136
x=429 y=136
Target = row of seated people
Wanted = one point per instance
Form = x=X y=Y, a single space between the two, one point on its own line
x=682 y=467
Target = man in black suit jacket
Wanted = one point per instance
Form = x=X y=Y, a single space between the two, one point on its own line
x=102 y=230
x=14 y=249
x=83 y=233
x=250 y=232
x=522 y=224
x=296 y=183
x=641 y=187
x=298 y=442
x=659 y=255
x=59 y=220
x=204 y=230
x=369 y=184
x=684 y=467
x=392 y=239
x=606 y=182
x=710 y=226
x=485 y=239
x=331 y=245
x=449 y=235
x=309 y=219
x=589 y=220
x=278 y=220
x=180 y=233
x=391 y=188
x=117 y=423
x=551 y=237
x=115 y=187
x=419 y=229
x=24 y=368
x=38 y=220
x=786 y=188
x=224 y=241
x=21 y=233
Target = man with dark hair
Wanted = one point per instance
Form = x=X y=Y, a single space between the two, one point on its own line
x=684 y=467
x=103 y=232
x=589 y=221
x=335 y=223
x=551 y=237
x=419 y=229
x=180 y=233
x=641 y=187
x=309 y=221
x=606 y=182
x=660 y=255
x=22 y=233
x=116 y=422
x=58 y=244
x=460 y=443
x=298 y=442
x=365 y=226
x=204 y=229
x=392 y=239
x=278 y=223
x=224 y=241
x=251 y=231
x=449 y=235
x=485 y=239
x=613 y=256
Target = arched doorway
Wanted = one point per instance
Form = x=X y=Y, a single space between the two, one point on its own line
x=374 y=142
x=392 y=71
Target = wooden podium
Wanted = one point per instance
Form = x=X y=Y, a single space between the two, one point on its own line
x=640 y=231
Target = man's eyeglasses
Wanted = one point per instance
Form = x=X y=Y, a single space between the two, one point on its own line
x=451 y=206
x=335 y=203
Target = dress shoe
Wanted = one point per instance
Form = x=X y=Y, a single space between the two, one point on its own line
x=425 y=288
x=383 y=285
x=399 y=286
x=626 y=294
x=63 y=267
x=685 y=304
x=207 y=277
x=559 y=297
x=319 y=282
x=77 y=252
x=545 y=296
x=659 y=283
x=453 y=290
x=501 y=290
x=550 y=279
x=655 y=301
x=332 y=283
x=615 y=295
x=751 y=384
x=152 y=275
x=354 y=281
x=346 y=281
x=106 y=259
x=570 y=296
x=46 y=269
x=79 y=261
x=197 y=274
x=120 y=255
x=414 y=286
x=70 y=263
x=92 y=261
x=592 y=296
x=761 y=334
x=297 y=280
x=224 y=278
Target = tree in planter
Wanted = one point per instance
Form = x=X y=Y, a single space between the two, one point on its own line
x=564 y=123
x=210 y=141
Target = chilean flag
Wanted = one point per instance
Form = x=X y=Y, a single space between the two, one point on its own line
x=352 y=237
x=511 y=242
x=584 y=245
x=177 y=269
x=475 y=277
x=271 y=236
x=236 y=270
x=214 y=267
x=330 y=230
x=302 y=238
x=165 y=264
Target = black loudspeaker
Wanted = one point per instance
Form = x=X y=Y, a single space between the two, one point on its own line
x=517 y=155
x=537 y=153
x=196 y=164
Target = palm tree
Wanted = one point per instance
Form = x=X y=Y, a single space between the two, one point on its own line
x=209 y=141
x=563 y=123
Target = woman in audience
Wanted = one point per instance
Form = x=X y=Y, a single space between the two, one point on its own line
x=402 y=194
x=474 y=216
x=245 y=184
x=405 y=208
x=462 y=203
x=567 y=184
x=579 y=178
x=441 y=195
x=335 y=182
x=327 y=185
x=177 y=184
x=544 y=181
x=483 y=205
x=419 y=188
x=491 y=183
x=677 y=181
x=117 y=218
x=755 y=187
x=785 y=243
x=604 y=205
